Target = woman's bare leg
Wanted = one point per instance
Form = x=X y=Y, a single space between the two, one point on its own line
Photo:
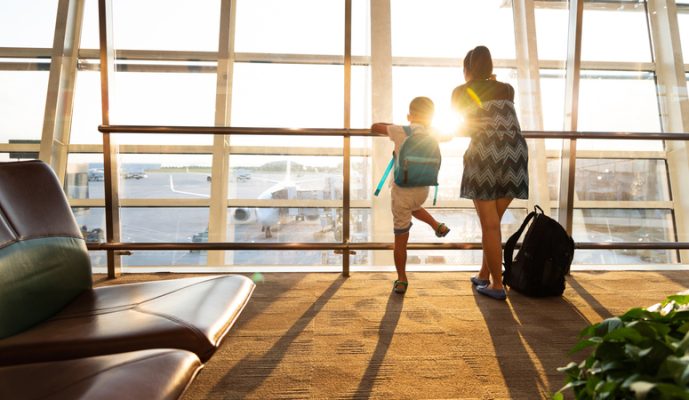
x=501 y=206
x=490 y=213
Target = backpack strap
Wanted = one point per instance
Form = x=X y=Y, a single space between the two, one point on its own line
x=385 y=176
x=512 y=241
x=408 y=132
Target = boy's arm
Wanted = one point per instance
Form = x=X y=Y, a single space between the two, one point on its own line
x=380 y=127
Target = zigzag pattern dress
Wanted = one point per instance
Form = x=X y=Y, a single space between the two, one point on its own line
x=496 y=162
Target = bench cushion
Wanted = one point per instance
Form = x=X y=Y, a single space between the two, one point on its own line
x=193 y=314
x=43 y=259
x=147 y=374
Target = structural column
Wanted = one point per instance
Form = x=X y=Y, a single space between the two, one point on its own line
x=110 y=147
x=381 y=98
x=217 y=218
x=674 y=106
x=531 y=111
x=569 y=147
x=60 y=99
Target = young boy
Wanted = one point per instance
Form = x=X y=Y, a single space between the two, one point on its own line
x=407 y=201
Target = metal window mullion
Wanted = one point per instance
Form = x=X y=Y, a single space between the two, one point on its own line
x=569 y=147
x=217 y=222
x=110 y=148
x=347 y=150
x=57 y=120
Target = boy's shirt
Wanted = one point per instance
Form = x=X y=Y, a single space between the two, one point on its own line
x=397 y=135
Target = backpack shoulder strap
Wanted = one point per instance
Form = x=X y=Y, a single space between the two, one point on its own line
x=407 y=130
x=385 y=176
x=512 y=241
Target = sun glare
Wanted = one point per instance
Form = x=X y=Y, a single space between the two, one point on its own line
x=447 y=123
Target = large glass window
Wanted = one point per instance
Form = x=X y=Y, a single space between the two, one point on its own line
x=683 y=21
x=87 y=114
x=289 y=73
x=627 y=41
x=22 y=104
x=22 y=25
x=450 y=28
x=143 y=98
x=290 y=27
x=610 y=179
x=166 y=25
x=288 y=95
x=618 y=101
x=623 y=225
x=552 y=21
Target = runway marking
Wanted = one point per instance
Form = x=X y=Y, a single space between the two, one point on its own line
x=172 y=188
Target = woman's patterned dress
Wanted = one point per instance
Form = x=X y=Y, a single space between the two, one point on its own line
x=496 y=162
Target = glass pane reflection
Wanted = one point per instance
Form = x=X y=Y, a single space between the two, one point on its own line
x=621 y=180
x=623 y=225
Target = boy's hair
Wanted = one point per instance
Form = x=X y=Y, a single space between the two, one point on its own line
x=422 y=108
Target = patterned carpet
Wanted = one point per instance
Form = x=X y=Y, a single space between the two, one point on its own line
x=322 y=336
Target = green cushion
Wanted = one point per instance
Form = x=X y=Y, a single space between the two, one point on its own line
x=38 y=277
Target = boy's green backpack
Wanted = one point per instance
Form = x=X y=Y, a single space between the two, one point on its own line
x=417 y=164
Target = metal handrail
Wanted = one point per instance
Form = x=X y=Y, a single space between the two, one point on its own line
x=348 y=246
x=227 y=130
x=364 y=246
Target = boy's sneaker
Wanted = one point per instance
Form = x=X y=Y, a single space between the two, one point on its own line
x=442 y=230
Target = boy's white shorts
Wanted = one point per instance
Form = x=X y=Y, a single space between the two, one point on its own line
x=405 y=200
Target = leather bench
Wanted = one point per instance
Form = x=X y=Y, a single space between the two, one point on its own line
x=49 y=310
x=145 y=374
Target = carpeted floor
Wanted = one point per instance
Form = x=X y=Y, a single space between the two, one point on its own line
x=323 y=336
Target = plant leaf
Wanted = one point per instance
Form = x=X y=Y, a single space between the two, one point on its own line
x=680 y=299
x=608 y=325
x=641 y=388
x=624 y=334
x=594 y=341
x=670 y=391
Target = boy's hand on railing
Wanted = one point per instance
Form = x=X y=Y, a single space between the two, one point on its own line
x=380 y=127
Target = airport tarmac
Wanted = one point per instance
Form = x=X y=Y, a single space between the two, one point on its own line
x=188 y=224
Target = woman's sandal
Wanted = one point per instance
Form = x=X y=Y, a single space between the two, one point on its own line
x=399 y=286
x=442 y=230
x=476 y=281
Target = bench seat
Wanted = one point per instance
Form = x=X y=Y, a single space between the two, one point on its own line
x=161 y=374
x=189 y=313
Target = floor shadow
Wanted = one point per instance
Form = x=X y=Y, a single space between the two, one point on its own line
x=532 y=337
x=250 y=372
x=679 y=277
x=386 y=332
x=588 y=297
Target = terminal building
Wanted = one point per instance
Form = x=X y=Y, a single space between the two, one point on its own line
x=233 y=136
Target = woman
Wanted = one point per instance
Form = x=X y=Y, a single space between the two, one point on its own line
x=495 y=164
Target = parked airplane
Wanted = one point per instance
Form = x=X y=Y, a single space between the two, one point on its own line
x=287 y=188
x=268 y=217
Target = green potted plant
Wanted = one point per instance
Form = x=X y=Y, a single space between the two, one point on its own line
x=643 y=354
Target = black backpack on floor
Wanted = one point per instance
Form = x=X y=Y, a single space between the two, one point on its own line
x=543 y=259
